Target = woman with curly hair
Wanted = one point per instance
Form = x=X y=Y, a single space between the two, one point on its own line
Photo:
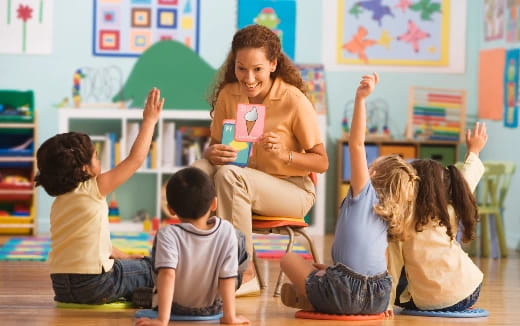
x=276 y=181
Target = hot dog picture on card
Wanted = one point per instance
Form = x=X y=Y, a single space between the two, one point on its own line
x=250 y=121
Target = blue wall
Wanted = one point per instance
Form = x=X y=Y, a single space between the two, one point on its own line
x=50 y=76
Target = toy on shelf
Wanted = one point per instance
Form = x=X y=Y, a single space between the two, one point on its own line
x=113 y=211
x=377 y=119
x=436 y=114
x=76 y=83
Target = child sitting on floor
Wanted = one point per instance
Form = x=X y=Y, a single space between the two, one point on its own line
x=196 y=260
x=439 y=275
x=84 y=266
x=378 y=205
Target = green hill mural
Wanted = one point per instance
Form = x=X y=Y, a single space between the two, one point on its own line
x=182 y=76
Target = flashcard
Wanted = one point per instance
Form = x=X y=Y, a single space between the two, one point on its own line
x=250 y=122
x=228 y=138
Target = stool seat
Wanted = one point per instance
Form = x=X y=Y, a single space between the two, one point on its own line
x=278 y=225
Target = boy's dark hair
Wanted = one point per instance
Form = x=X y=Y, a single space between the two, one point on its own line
x=438 y=188
x=189 y=193
x=61 y=160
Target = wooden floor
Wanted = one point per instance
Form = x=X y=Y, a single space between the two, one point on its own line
x=26 y=298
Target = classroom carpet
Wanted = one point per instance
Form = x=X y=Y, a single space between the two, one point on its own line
x=273 y=246
x=37 y=248
x=270 y=246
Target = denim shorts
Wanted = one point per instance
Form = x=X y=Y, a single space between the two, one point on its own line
x=118 y=283
x=342 y=291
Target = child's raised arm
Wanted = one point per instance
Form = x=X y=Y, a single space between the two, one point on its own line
x=110 y=180
x=477 y=139
x=356 y=144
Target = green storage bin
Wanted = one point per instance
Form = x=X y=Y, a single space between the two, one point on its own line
x=16 y=106
x=443 y=153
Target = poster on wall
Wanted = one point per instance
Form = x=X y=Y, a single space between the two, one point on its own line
x=394 y=35
x=511 y=100
x=278 y=15
x=314 y=77
x=129 y=27
x=512 y=21
x=494 y=11
x=26 y=26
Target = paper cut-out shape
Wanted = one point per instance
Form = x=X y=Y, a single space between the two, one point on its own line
x=250 y=122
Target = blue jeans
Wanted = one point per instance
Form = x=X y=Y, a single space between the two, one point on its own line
x=462 y=305
x=343 y=291
x=120 y=282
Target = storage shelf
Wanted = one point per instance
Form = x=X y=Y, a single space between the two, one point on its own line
x=123 y=117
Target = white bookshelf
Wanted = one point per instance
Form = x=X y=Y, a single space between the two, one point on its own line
x=125 y=116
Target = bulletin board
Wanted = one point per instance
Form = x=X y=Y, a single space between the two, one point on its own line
x=427 y=35
x=129 y=27
x=436 y=114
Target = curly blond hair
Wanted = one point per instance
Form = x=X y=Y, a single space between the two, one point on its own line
x=395 y=182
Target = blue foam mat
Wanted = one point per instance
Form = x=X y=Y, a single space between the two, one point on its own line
x=468 y=313
x=150 y=313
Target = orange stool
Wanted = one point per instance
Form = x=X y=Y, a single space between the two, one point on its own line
x=280 y=225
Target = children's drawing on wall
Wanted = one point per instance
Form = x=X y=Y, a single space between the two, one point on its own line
x=129 y=27
x=494 y=19
x=26 y=26
x=405 y=33
x=511 y=84
x=278 y=15
x=513 y=21
x=314 y=76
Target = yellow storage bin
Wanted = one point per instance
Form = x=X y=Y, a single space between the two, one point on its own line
x=6 y=221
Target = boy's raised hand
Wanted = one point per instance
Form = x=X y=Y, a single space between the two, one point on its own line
x=477 y=139
x=367 y=85
x=153 y=105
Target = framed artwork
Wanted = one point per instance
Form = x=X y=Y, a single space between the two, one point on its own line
x=278 y=15
x=129 y=27
x=404 y=35
x=436 y=114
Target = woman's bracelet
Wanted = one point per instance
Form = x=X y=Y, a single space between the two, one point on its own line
x=290 y=157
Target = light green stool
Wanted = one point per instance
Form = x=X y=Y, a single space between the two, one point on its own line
x=493 y=189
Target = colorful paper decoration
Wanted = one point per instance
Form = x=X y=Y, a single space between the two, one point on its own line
x=490 y=84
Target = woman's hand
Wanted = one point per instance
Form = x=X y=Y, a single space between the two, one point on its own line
x=271 y=142
x=219 y=154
